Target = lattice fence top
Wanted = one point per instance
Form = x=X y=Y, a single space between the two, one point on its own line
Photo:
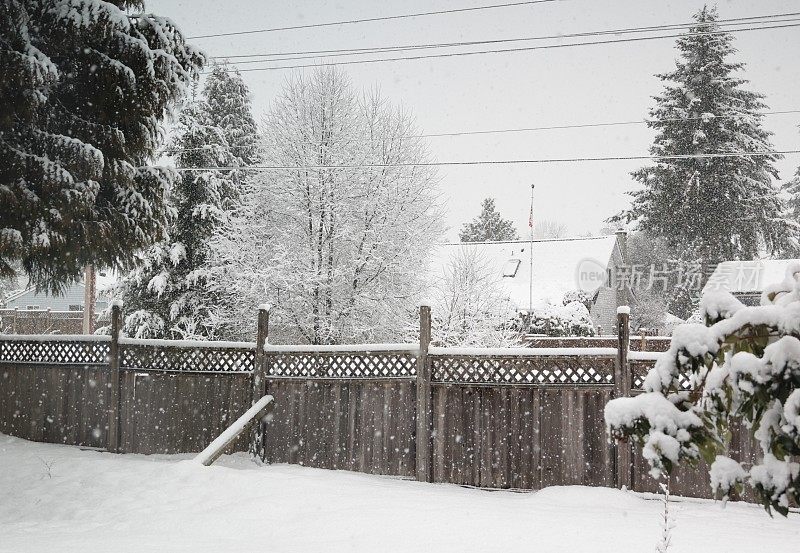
x=180 y=358
x=542 y=371
x=384 y=364
x=639 y=370
x=72 y=352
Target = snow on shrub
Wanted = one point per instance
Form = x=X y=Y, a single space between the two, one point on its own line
x=742 y=364
x=570 y=319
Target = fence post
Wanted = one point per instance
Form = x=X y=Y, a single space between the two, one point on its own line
x=622 y=388
x=115 y=399
x=260 y=379
x=424 y=416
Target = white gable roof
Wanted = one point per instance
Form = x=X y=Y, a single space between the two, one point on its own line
x=555 y=264
x=747 y=276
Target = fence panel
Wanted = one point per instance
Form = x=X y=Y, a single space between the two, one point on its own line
x=55 y=388
x=521 y=421
x=54 y=403
x=173 y=412
x=343 y=409
x=360 y=425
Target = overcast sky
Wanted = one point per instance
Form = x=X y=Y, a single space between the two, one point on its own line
x=603 y=83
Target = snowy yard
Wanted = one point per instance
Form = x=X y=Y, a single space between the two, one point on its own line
x=60 y=498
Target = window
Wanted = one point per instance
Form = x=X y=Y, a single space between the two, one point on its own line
x=511 y=267
x=75 y=307
x=32 y=307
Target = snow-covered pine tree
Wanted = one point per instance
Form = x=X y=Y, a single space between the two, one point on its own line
x=230 y=109
x=169 y=294
x=792 y=189
x=84 y=87
x=710 y=209
x=489 y=226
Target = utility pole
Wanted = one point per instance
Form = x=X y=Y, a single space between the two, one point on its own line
x=89 y=294
x=530 y=224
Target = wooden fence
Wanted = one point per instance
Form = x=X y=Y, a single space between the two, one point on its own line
x=40 y=321
x=499 y=418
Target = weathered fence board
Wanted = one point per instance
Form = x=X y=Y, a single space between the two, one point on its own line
x=167 y=412
x=54 y=403
x=365 y=426
x=521 y=436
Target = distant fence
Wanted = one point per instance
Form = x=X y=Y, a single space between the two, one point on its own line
x=40 y=321
x=500 y=418
x=642 y=342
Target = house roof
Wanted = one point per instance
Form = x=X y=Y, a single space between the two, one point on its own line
x=555 y=264
x=103 y=281
x=747 y=276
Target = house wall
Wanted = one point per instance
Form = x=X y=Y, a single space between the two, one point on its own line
x=71 y=296
x=604 y=309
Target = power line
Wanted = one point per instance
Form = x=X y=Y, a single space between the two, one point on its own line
x=509 y=50
x=372 y=19
x=524 y=129
x=489 y=162
x=630 y=30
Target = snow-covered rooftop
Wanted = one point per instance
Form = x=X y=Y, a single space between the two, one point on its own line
x=555 y=264
x=747 y=276
x=103 y=281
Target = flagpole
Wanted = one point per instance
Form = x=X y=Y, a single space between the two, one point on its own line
x=530 y=224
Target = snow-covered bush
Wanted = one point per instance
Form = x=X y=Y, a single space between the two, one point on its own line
x=569 y=319
x=580 y=296
x=743 y=363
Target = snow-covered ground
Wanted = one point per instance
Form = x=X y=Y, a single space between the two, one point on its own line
x=60 y=498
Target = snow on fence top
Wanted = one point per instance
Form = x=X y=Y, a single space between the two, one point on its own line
x=54 y=338
x=645 y=355
x=186 y=343
x=526 y=352
x=340 y=348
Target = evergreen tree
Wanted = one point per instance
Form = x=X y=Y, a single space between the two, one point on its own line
x=169 y=294
x=228 y=100
x=710 y=209
x=792 y=189
x=489 y=226
x=84 y=86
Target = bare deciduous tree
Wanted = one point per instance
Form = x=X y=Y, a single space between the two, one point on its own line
x=547 y=228
x=337 y=238
x=470 y=307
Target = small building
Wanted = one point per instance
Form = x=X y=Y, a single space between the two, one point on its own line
x=559 y=266
x=29 y=311
x=746 y=280
x=72 y=299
